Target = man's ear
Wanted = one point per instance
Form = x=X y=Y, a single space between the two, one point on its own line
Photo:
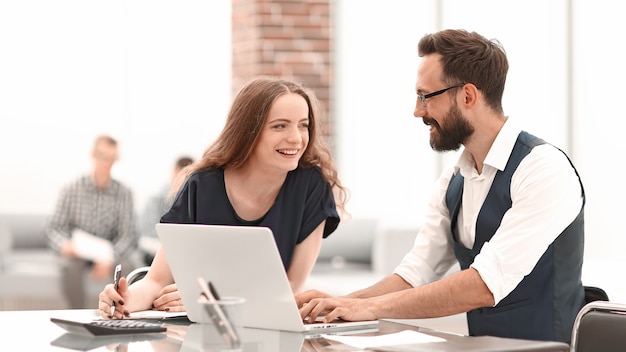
x=470 y=95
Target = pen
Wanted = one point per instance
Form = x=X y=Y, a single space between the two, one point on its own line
x=217 y=297
x=116 y=280
x=217 y=315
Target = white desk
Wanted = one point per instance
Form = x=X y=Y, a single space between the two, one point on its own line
x=33 y=331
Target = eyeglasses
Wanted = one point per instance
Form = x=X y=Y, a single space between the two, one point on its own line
x=422 y=98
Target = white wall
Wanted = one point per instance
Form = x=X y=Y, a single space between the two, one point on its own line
x=599 y=124
x=156 y=74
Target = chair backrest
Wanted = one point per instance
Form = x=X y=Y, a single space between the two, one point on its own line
x=137 y=274
x=595 y=294
x=600 y=326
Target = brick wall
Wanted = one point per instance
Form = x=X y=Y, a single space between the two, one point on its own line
x=287 y=38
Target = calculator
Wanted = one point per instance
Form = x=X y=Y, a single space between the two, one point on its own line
x=109 y=327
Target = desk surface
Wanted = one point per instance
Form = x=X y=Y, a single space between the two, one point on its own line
x=33 y=331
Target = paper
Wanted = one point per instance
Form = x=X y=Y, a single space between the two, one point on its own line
x=405 y=337
x=156 y=314
x=90 y=247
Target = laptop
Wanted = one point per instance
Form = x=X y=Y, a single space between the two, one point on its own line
x=240 y=261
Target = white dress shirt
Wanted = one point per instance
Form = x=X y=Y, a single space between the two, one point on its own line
x=546 y=197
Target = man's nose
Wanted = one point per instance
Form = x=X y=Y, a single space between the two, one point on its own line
x=420 y=110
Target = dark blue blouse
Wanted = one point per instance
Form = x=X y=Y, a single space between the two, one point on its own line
x=304 y=201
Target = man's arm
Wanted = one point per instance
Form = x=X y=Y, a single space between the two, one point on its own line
x=389 y=284
x=458 y=293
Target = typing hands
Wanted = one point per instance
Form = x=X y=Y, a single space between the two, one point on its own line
x=304 y=297
x=349 y=309
x=315 y=303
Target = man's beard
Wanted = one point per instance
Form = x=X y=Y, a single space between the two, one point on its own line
x=455 y=130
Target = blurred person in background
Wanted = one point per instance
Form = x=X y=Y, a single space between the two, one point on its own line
x=93 y=226
x=156 y=206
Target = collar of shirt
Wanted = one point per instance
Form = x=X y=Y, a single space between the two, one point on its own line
x=91 y=184
x=498 y=154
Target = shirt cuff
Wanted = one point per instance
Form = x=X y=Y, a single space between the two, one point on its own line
x=489 y=266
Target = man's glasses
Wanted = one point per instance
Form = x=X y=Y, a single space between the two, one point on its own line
x=422 y=98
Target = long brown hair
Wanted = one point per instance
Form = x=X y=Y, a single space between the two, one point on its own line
x=247 y=116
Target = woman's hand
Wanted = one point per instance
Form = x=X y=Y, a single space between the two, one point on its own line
x=120 y=297
x=169 y=300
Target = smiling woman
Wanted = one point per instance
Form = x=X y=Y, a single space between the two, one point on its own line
x=284 y=137
x=269 y=167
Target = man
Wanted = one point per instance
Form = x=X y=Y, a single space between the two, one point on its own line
x=510 y=212
x=93 y=225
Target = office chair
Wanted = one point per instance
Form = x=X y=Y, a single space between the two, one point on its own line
x=600 y=326
x=137 y=274
x=595 y=294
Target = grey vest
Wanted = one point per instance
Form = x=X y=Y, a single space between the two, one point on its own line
x=545 y=303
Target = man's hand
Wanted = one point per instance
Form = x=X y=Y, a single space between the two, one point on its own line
x=102 y=271
x=67 y=250
x=306 y=296
x=351 y=309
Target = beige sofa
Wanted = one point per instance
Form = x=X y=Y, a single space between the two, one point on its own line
x=29 y=269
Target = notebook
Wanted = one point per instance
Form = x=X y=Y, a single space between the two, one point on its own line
x=241 y=261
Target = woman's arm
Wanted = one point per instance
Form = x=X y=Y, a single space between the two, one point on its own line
x=141 y=294
x=304 y=257
x=146 y=290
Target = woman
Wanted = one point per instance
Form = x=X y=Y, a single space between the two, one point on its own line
x=269 y=167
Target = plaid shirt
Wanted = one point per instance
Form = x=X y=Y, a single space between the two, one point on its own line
x=107 y=213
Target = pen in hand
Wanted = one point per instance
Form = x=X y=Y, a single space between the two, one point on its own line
x=116 y=280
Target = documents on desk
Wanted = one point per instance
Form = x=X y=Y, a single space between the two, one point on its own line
x=156 y=314
x=405 y=337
